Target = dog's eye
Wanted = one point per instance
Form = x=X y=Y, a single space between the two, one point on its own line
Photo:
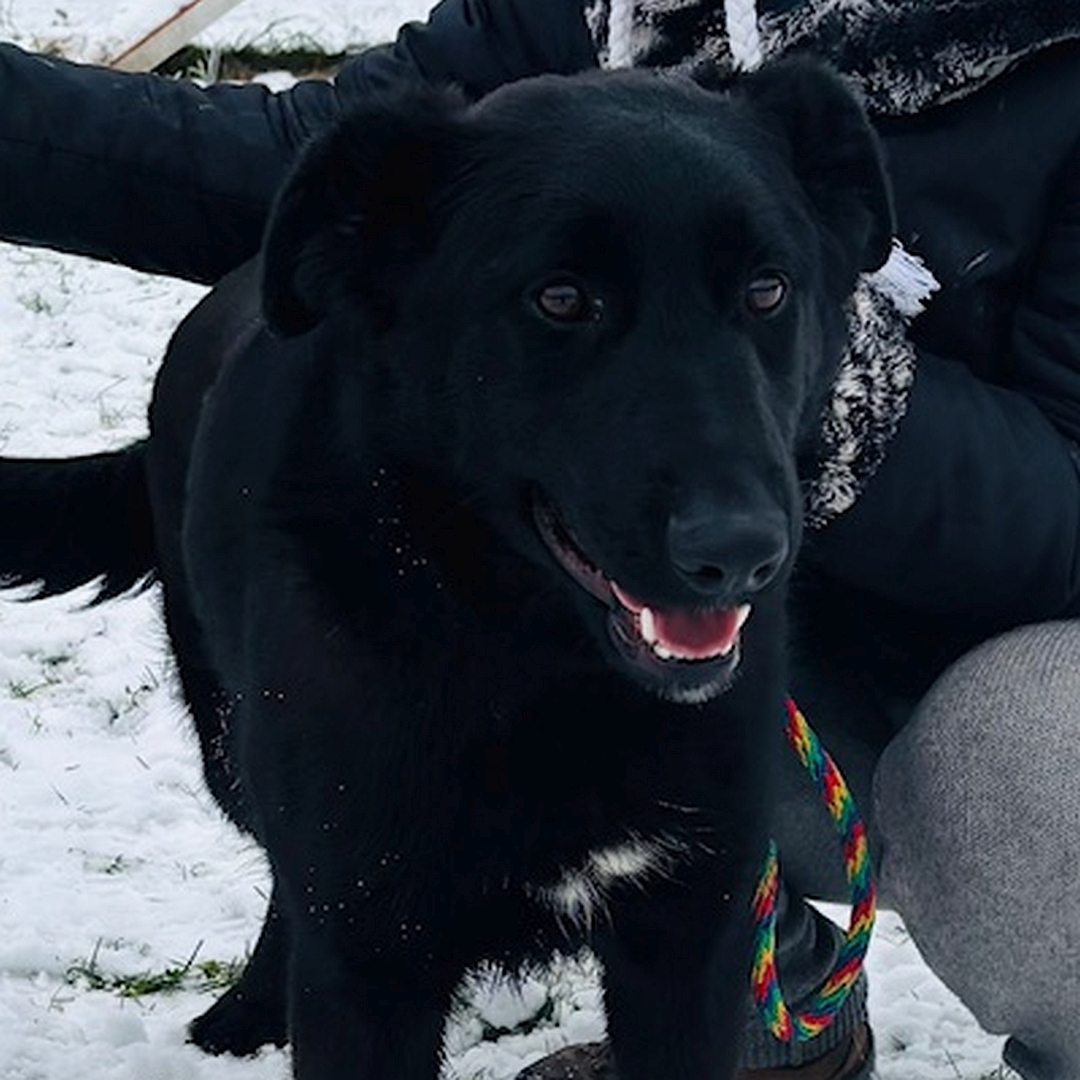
x=566 y=302
x=765 y=294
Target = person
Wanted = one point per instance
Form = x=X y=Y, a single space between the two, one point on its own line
x=945 y=508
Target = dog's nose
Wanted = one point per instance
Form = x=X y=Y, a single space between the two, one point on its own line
x=728 y=552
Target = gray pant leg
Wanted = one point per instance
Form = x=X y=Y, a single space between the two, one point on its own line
x=977 y=805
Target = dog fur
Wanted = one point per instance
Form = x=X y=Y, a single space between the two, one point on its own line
x=460 y=497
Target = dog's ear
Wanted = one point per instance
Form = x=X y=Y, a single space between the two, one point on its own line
x=835 y=153
x=355 y=210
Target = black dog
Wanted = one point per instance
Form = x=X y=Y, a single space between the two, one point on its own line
x=474 y=520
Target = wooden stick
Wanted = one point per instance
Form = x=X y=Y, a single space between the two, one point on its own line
x=171 y=35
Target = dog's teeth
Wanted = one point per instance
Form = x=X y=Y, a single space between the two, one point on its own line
x=647 y=622
x=741 y=615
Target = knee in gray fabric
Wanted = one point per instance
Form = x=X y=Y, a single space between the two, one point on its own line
x=977 y=804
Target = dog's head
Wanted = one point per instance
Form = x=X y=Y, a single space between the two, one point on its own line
x=609 y=307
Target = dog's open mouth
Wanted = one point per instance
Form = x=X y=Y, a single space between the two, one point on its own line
x=687 y=655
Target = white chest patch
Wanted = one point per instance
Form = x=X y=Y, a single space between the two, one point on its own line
x=580 y=895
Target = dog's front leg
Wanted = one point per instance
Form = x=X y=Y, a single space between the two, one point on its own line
x=356 y=1025
x=676 y=966
x=251 y=1013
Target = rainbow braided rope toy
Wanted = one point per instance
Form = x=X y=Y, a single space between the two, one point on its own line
x=833 y=992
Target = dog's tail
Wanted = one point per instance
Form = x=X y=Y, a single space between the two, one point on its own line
x=69 y=521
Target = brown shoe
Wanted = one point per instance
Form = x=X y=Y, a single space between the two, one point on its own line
x=852 y=1060
x=586 y=1061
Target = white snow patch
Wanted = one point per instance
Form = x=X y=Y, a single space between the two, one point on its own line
x=87 y=30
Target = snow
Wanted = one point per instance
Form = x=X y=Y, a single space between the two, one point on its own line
x=113 y=857
x=91 y=31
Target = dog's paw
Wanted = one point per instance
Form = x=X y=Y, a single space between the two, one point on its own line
x=239 y=1025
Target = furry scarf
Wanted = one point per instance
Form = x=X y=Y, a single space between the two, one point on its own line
x=905 y=55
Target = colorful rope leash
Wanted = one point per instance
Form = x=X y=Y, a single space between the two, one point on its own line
x=800 y=1026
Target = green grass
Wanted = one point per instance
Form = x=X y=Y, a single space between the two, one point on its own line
x=200 y=976
x=245 y=62
x=22 y=690
x=53 y=673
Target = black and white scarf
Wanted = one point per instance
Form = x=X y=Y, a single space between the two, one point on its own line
x=904 y=56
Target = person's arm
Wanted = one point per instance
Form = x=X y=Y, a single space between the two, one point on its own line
x=975 y=510
x=151 y=172
x=162 y=175
x=478 y=45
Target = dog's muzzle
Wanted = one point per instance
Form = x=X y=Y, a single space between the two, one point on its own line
x=686 y=655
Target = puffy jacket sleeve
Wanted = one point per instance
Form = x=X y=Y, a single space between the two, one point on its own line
x=478 y=45
x=975 y=510
x=154 y=173
x=162 y=175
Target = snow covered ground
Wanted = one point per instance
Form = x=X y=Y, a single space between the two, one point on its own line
x=92 y=31
x=115 y=867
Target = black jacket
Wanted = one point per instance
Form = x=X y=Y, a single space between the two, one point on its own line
x=974 y=514
x=161 y=175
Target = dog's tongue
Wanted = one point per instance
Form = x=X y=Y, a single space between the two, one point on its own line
x=695 y=636
x=686 y=635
